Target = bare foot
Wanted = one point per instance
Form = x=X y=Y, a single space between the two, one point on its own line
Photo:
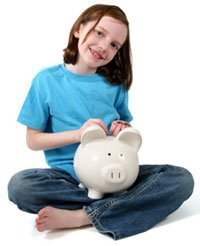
x=50 y=218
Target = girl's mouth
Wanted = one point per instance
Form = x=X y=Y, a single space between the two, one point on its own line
x=96 y=54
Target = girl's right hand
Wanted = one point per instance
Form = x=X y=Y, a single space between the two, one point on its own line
x=91 y=122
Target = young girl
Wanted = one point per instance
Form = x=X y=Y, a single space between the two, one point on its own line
x=90 y=88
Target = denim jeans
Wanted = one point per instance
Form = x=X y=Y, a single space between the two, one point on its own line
x=158 y=191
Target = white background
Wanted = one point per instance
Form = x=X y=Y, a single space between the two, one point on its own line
x=164 y=99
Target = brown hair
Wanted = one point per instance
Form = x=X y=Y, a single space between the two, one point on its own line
x=119 y=70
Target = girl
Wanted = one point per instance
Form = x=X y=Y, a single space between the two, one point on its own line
x=89 y=88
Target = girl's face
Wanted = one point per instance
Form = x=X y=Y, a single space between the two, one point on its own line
x=101 y=45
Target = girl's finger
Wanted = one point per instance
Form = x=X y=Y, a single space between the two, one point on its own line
x=117 y=129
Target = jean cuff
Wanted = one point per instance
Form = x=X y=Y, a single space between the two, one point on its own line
x=93 y=216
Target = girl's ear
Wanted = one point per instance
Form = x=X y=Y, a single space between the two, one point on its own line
x=76 y=34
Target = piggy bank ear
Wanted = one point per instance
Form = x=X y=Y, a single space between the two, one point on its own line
x=92 y=133
x=131 y=137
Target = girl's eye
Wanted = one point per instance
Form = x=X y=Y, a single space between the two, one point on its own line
x=98 y=33
x=114 y=46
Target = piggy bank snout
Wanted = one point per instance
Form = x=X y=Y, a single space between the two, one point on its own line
x=114 y=174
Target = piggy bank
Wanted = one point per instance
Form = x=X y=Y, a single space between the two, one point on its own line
x=107 y=164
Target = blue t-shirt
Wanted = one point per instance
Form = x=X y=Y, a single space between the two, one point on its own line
x=60 y=100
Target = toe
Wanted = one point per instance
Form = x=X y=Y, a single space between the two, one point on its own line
x=43 y=212
x=41 y=227
x=40 y=221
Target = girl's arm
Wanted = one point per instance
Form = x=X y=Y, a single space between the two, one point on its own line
x=39 y=140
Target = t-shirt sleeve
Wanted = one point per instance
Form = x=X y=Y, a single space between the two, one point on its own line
x=122 y=106
x=34 y=112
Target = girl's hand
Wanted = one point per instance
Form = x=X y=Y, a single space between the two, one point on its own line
x=91 y=122
x=117 y=126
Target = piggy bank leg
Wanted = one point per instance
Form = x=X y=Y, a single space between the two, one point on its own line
x=81 y=185
x=94 y=194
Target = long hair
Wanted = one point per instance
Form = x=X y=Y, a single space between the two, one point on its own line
x=119 y=70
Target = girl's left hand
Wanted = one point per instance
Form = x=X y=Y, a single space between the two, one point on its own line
x=117 y=126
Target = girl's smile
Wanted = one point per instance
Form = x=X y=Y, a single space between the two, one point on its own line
x=97 y=55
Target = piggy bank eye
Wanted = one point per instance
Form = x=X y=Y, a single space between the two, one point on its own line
x=121 y=155
x=109 y=154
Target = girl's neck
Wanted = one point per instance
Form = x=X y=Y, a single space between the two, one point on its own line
x=80 y=69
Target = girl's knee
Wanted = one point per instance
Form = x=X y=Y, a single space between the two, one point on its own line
x=15 y=186
x=19 y=186
x=188 y=181
x=184 y=180
x=21 y=191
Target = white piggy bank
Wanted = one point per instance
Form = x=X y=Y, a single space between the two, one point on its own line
x=107 y=164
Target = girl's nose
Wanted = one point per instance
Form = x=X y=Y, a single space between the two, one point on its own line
x=103 y=46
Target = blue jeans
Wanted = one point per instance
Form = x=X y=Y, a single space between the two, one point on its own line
x=158 y=191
